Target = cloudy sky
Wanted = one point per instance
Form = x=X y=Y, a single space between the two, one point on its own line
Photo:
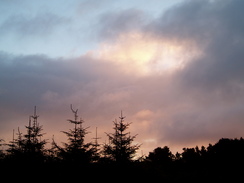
x=175 y=68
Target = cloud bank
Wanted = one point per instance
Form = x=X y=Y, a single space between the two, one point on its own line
x=177 y=77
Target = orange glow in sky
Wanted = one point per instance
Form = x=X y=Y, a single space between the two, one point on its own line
x=142 y=54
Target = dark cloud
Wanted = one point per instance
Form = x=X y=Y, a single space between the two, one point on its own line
x=210 y=86
x=53 y=84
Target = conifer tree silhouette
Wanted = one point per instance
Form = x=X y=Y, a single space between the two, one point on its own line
x=75 y=151
x=120 y=148
x=29 y=147
x=96 y=149
x=1 y=151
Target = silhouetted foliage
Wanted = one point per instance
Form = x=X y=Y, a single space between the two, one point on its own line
x=28 y=148
x=161 y=156
x=26 y=155
x=76 y=151
x=120 y=148
x=2 y=155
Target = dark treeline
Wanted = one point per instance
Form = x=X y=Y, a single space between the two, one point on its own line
x=27 y=157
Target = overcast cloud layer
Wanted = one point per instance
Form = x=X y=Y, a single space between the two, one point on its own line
x=177 y=74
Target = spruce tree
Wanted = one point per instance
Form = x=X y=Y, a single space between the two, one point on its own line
x=1 y=151
x=30 y=146
x=75 y=151
x=120 y=148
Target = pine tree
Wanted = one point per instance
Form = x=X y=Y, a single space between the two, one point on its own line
x=120 y=148
x=75 y=151
x=29 y=147
x=1 y=151
x=96 y=149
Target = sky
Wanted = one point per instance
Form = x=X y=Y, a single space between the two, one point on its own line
x=175 y=68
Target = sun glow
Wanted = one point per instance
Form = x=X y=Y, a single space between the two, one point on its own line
x=143 y=54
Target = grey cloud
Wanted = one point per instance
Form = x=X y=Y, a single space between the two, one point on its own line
x=37 y=73
x=114 y=23
x=217 y=29
x=39 y=80
x=222 y=63
x=212 y=85
x=41 y=24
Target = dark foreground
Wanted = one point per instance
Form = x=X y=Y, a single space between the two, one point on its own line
x=134 y=172
x=220 y=162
